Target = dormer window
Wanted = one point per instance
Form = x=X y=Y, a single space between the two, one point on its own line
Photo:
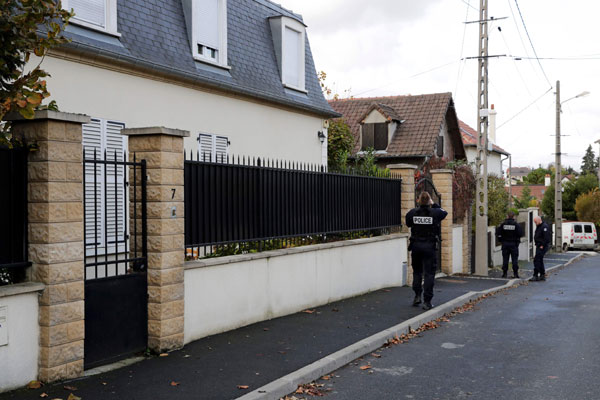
x=95 y=14
x=207 y=25
x=374 y=136
x=289 y=36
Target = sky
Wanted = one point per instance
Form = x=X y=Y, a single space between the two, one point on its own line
x=399 y=47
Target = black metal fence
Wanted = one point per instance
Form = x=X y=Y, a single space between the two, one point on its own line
x=13 y=203
x=249 y=204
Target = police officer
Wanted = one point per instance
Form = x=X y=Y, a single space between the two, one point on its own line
x=509 y=233
x=424 y=222
x=542 y=239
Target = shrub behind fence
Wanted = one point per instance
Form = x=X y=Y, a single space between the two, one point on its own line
x=266 y=204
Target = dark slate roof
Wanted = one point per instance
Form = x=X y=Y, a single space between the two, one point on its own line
x=423 y=117
x=469 y=138
x=154 y=36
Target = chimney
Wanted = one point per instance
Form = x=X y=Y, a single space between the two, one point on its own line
x=492 y=127
x=547 y=180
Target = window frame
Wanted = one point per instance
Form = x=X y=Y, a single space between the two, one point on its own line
x=296 y=26
x=110 y=18
x=384 y=126
x=221 y=52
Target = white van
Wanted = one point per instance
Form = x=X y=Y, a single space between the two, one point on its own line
x=579 y=235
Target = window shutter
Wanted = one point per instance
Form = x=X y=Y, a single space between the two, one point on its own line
x=440 y=146
x=92 y=142
x=291 y=57
x=381 y=136
x=115 y=185
x=206 y=23
x=221 y=148
x=93 y=11
x=205 y=147
x=367 y=136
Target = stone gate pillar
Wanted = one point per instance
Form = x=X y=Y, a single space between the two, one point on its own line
x=162 y=148
x=442 y=179
x=55 y=196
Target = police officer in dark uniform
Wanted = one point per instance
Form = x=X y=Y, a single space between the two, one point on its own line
x=542 y=239
x=509 y=233
x=424 y=222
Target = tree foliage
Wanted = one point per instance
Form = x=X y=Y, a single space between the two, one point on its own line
x=589 y=164
x=27 y=27
x=524 y=200
x=339 y=144
x=587 y=206
x=537 y=176
x=574 y=189
x=497 y=200
x=548 y=202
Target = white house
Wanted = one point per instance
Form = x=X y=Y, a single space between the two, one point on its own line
x=237 y=74
x=469 y=137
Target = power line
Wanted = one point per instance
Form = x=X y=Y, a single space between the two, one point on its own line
x=468 y=3
x=462 y=48
x=575 y=58
x=531 y=43
x=529 y=105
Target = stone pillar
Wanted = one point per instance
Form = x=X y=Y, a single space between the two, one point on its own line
x=162 y=148
x=466 y=234
x=442 y=179
x=55 y=195
x=407 y=173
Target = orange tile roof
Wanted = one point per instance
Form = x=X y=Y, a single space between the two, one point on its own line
x=469 y=137
x=537 y=191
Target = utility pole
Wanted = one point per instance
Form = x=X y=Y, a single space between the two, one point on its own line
x=510 y=199
x=481 y=199
x=557 y=180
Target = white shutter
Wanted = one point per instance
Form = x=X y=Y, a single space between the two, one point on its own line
x=291 y=57
x=221 y=149
x=92 y=11
x=205 y=147
x=92 y=143
x=115 y=185
x=206 y=22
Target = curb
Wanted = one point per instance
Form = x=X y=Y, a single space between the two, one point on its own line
x=289 y=383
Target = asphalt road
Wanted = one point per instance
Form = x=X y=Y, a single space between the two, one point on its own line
x=537 y=341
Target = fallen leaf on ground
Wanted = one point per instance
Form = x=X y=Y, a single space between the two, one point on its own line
x=173 y=383
x=386 y=290
x=326 y=377
x=163 y=355
x=265 y=329
x=376 y=355
x=44 y=395
x=73 y=397
x=335 y=310
x=243 y=386
x=308 y=311
x=553 y=377
x=71 y=388
x=34 y=385
x=363 y=367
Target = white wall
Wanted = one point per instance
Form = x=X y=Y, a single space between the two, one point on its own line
x=457 y=249
x=254 y=129
x=19 y=358
x=230 y=292
x=494 y=160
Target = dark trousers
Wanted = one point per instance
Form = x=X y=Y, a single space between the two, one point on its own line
x=510 y=250
x=423 y=262
x=538 y=261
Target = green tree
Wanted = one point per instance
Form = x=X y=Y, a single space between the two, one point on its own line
x=27 y=27
x=572 y=190
x=589 y=164
x=524 y=200
x=587 y=206
x=537 y=176
x=497 y=200
x=339 y=145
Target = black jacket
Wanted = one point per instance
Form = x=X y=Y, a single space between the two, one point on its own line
x=426 y=222
x=543 y=235
x=509 y=232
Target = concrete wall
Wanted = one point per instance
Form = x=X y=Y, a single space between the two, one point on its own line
x=253 y=128
x=457 y=249
x=19 y=357
x=229 y=292
x=494 y=160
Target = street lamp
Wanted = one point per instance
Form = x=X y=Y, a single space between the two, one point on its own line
x=557 y=175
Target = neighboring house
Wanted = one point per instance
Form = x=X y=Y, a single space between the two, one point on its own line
x=469 y=138
x=403 y=129
x=537 y=191
x=517 y=174
x=237 y=74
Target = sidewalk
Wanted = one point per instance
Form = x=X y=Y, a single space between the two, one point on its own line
x=526 y=268
x=253 y=356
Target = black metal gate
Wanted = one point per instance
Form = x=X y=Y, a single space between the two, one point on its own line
x=116 y=298
x=426 y=185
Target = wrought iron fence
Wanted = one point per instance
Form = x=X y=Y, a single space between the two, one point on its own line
x=247 y=205
x=13 y=203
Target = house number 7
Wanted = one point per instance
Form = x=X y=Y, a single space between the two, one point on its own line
x=173 y=195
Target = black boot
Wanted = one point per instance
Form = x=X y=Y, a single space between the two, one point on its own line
x=504 y=274
x=516 y=275
x=417 y=300
x=534 y=278
x=542 y=277
x=427 y=306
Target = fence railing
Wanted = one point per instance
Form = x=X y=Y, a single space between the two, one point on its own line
x=246 y=205
x=13 y=203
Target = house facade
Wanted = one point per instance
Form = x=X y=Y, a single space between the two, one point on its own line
x=403 y=129
x=237 y=74
x=495 y=156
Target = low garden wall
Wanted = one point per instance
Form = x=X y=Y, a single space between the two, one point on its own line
x=226 y=293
